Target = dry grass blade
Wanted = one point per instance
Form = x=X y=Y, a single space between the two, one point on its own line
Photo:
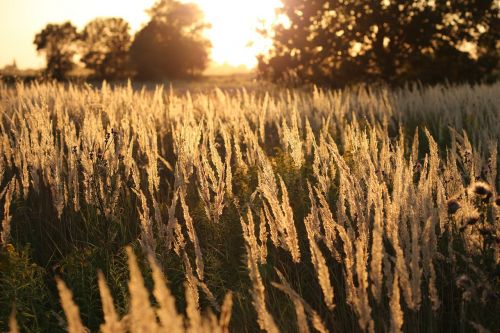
x=111 y=320
x=70 y=309
x=13 y=326
x=287 y=289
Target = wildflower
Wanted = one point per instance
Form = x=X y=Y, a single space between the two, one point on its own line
x=482 y=190
x=99 y=154
x=488 y=296
x=467 y=295
x=453 y=206
x=471 y=218
x=487 y=230
x=10 y=248
x=463 y=282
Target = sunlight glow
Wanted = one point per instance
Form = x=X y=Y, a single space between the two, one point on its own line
x=233 y=34
x=234 y=28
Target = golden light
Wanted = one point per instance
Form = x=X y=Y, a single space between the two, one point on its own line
x=233 y=34
x=234 y=28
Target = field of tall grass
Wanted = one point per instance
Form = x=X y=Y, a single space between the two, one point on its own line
x=361 y=210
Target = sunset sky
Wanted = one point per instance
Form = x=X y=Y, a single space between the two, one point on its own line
x=233 y=34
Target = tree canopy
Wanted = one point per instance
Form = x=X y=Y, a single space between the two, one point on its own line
x=172 y=44
x=337 y=42
x=106 y=42
x=57 y=41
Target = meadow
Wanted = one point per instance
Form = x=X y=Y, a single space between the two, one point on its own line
x=367 y=209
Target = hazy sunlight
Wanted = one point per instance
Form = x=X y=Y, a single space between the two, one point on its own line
x=233 y=34
x=234 y=23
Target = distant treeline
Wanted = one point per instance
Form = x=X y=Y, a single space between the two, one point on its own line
x=170 y=45
x=324 y=42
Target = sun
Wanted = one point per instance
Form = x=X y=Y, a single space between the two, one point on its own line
x=234 y=33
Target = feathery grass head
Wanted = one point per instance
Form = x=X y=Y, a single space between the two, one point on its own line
x=376 y=227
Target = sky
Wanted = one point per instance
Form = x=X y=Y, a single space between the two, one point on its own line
x=233 y=34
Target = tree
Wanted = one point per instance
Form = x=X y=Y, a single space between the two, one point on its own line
x=336 y=42
x=57 y=41
x=106 y=43
x=172 y=44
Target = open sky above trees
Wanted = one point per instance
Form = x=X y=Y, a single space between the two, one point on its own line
x=233 y=25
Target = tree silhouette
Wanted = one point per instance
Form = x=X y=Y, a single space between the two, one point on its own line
x=106 y=42
x=57 y=41
x=336 y=42
x=172 y=44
